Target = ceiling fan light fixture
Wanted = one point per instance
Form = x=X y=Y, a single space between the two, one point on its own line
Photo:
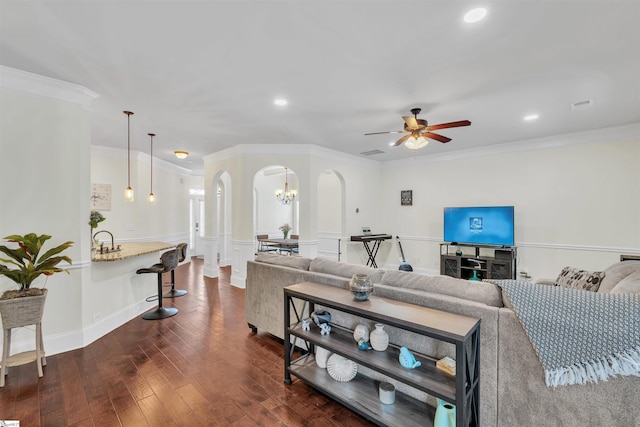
x=414 y=143
x=181 y=154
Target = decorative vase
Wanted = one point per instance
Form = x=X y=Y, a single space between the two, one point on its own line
x=322 y=355
x=361 y=332
x=286 y=233
x=379 y=338
x=361 y=287
x=475 y=277
x=445 y=414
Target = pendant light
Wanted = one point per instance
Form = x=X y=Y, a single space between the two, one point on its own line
x=152 y=197
x=128 y=193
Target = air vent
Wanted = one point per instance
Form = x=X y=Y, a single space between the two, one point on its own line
x=372 y=152
x=582 y=104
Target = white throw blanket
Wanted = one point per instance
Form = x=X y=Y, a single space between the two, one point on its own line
x=579 y=336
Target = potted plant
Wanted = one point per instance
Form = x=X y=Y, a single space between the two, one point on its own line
x=285 y=228
x=25 y=306
x=25 y=263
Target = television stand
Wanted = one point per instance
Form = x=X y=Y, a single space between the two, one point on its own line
x=485 y=262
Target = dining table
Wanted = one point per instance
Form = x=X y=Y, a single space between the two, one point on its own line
x=287 y=245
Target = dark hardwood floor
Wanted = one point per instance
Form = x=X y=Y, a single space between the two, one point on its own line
x=201 y=367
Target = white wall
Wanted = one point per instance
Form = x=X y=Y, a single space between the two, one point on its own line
x=244 y=161
x=46 y=168
x=167 y=219
x=44 y=187
x=576 y=198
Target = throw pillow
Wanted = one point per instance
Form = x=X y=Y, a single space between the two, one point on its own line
x=628 y=285
x=580 y=279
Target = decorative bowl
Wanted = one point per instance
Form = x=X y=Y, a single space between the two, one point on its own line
x=341 y=369
x=361 y=287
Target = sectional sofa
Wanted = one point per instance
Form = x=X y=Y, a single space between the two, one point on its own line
x=513 y=391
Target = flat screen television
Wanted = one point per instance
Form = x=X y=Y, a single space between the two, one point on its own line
x=480 y=225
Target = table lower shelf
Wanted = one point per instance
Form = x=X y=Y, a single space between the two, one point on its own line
x=22 y=358
x=361 y=396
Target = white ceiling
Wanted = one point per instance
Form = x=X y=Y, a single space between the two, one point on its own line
x=203 y=75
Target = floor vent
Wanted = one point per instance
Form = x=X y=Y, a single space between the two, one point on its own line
x=582 y=104
x=372 y=152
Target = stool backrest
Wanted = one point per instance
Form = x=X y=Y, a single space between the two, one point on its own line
x=170 y=259
x=182 y=251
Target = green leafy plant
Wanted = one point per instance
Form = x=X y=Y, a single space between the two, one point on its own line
x=25 y=264
x=95 y=218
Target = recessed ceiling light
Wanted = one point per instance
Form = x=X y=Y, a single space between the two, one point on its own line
x=531 y=117
x=280 y=102
x=475 y=15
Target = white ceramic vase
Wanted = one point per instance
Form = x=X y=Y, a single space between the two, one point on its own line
x=322 y=355
x=378 y=338
x=361 y=332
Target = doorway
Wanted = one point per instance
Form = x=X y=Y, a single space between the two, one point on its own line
x=197 y=215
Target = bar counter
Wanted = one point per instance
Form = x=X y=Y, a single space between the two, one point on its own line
x=128 y=250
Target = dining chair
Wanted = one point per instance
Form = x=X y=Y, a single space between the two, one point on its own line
x=265 y=247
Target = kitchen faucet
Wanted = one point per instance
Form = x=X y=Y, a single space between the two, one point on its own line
x=113 y=248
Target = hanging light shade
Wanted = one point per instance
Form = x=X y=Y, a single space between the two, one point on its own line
x=128 y=192
x=181 y=154
x=286 y=196
x=415 y=142
x=152 y=197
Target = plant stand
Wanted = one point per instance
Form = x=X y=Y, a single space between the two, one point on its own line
x=19 y=312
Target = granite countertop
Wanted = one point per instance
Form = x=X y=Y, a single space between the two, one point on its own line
x=128 y=250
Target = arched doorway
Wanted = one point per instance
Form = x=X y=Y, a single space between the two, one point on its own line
x=269 y=214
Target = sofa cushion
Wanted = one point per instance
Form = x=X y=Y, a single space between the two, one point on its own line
x=580 y=279
x=298 y=262
x=616 y=272
x=483 y=292
x=628 y=285
x=328 y=266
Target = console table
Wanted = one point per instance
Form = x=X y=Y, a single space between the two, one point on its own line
x=361 y=393
x=372 y=251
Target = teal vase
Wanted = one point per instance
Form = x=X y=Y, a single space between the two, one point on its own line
x=475 y=276
x=445 y=415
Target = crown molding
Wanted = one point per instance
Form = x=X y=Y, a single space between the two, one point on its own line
x=23 y=82
x=610 y=134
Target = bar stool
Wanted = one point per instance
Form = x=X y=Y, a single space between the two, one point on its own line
x=169 y=261
x=182 y=255
x=15 y=314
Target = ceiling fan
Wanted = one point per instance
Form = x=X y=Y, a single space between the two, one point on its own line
x=418 y=130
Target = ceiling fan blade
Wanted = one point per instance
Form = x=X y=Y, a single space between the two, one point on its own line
x=449 y=125
x=380 y=133
x=437 y=137
x=401 y=140
x=411 y=122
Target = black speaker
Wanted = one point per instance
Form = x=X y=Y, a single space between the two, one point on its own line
x=500 y=254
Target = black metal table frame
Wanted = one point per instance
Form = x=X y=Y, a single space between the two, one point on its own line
x=467 y=355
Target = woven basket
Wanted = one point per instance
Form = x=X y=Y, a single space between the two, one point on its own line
x=22 y=311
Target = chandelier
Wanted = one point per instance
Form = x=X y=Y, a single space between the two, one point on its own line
x=286 y=196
